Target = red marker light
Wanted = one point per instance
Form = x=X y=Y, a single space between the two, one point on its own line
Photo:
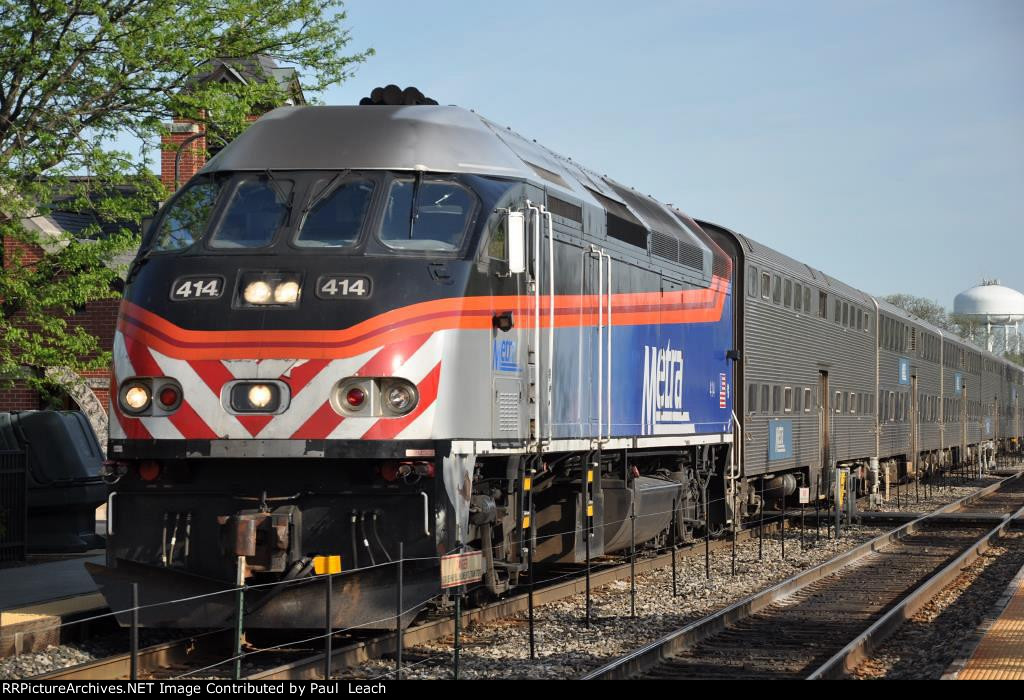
x=355 y=397
x=168 y=396
x=149 y=471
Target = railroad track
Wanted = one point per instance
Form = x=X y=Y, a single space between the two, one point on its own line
x=204 y=651
x=823 y=622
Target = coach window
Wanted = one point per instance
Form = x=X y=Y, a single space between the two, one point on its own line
x=776 y=289
x=751 y=281
x=788 y=298
x=752 y=398
x=822 y=305
x=766 y=286
x=788 y=399
x=776 y=399
x=186 y=218
x=807 y=400
x=257 y=207
x=335 y=215
x=765 y=398
x=890 y=409
x=796 y=400
x=846 y=314
x=797 y=297
x=853 y=402
x=436 y=221
x=807 y=300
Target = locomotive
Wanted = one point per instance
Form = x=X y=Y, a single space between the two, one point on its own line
x=365 y=330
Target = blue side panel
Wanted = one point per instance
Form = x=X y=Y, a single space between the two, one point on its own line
x=672 y=379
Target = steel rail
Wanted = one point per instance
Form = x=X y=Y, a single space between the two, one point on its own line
x=151 y=658
x=649 y=655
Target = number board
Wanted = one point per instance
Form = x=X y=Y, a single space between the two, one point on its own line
x=197 y=287
x=343 y=287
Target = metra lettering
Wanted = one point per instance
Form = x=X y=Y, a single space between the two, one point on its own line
x=663 y=389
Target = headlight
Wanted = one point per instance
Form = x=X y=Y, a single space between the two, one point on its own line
x=399 y=397
x=270 y=288
x=257 y=397
x=257 y=292
x=260 y=395
x=135 y=398
x=286 y=293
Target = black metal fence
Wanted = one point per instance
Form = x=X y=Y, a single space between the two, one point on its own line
x=13 y=506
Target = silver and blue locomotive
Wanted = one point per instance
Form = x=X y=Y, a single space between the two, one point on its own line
x=360 y=328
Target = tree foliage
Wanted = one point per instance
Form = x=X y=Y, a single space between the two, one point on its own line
x=77 y=74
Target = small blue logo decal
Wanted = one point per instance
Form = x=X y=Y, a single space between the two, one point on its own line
x=780 y=440
x=904 y=370
x=505 y=355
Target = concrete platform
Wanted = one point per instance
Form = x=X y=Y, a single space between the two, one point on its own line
x=999 y=650
x=36 y=599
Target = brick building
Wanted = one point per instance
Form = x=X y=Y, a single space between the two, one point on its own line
x=90 y=391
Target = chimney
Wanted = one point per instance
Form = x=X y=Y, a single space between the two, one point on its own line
x=193 y=154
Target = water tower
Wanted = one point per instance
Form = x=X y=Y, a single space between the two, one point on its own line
x=997 y=309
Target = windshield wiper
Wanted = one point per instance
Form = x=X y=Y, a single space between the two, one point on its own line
x=414 y=209
x=324 y=191
x=286 y=199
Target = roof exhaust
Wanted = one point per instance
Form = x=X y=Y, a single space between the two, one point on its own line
x=396 y=96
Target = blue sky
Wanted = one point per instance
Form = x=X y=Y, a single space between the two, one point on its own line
x=882 y=142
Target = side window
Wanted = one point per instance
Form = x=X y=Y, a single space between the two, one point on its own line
x=788 y=399
x=497 y=245
x=788 y=296
x=752 y=398
x=776 y=399
x=807 y=300
x=823 y=305
x=776 y=289
x=837 y=314
x=807 y=400
x=187 y=217
x=846 y=314
x=837 y=406
x=751 y=281
x=766 y=286
x=798 y=297
x=853 y=402
x=765 y=397
x=796 y=400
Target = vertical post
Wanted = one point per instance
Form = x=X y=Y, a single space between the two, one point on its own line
x=328 y=625
x=239 y=616
x=589 y=476
x=632 y=548
x=707 y=534
x=838 y=499
x=398 y=612
x=529 y=566
x=801 y=526
x=134 y=640
x=783 y=526
x=760 y=526
x=458 y=631
x=675 y=589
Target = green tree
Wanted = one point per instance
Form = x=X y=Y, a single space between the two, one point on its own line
x=925 y=309
x=77 y=74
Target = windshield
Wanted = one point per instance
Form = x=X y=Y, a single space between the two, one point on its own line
x=437 y=222
x=335 y=217
x=187 y=217
x=257 y=208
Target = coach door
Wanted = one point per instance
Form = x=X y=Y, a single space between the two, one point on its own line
x=915 y=428
x=825 y=420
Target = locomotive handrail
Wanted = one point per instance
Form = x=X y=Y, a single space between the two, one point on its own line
x=594 y=250
x=608 y=397
x=536 y=317
x=551 y=317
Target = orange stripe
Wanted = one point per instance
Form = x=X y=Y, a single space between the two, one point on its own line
x=464 y=313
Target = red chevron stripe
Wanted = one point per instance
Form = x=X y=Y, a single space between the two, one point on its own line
x=319 y=425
